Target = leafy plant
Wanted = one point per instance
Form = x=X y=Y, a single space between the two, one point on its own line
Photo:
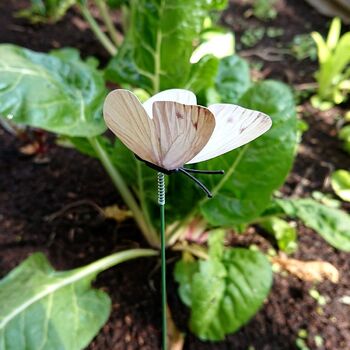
x=303 y=46
x=46 y=309
x=331 y=223
x=155 y=55
x=334 y=72
x=224 y=290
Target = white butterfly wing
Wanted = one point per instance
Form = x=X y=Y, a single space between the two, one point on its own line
x=182 y=131
x=235 y=126
x=177 y=95
x=128 y=120
x=175 y=135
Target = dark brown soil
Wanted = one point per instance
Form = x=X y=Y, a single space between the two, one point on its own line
x=30 y=192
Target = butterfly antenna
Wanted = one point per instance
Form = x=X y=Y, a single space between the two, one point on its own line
x=196 y=171
x=197 y=182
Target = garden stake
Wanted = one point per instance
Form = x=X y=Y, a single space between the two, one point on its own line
x=161 y=202
x=168 y=131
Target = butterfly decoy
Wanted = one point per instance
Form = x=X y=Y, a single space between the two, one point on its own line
x=170 y=130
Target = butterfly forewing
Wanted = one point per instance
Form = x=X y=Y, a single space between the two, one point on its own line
x=235 y=126
x=182 y=131
x=128 y=120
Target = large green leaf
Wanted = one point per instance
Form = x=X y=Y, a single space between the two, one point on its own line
x=331 y=223
x=44 y=309
x=255 y=171
x=46 y=91
x=224 y=291
x=203 y=73
x=156 y=52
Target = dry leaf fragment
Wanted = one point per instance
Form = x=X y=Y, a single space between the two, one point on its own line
x=30 y=148
x=312 y=271
x=176 y=339
x=116 y=213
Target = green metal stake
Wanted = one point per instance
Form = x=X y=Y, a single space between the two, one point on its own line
x=161 y=202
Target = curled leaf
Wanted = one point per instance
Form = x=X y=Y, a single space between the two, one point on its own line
x=311 y=271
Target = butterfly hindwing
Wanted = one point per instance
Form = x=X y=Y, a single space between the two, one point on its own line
x=235 y=126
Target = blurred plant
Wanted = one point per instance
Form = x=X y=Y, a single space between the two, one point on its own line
x=303 y=46
x=333 y=76
x=344 y=133
x=301 y=340
x=284 y=233
x=46 y=10
x=326 y=199
x=274 y=32
x=264 y=9
x=340 y=181
x=331 y=223
x=252 y=36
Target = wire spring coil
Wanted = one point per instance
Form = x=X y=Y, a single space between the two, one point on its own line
x=161 y=189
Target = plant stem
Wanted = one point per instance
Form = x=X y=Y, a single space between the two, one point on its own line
x=116 y=258
x=195 y=250
x=161 y=202
x=115 y=36
x=124 y=191
x=142 y=199
x=102 y=37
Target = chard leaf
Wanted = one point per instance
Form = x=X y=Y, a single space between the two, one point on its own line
x=156 y=52
x=334 y=33
x=233 y=79
x=203 y=73
x=225 y=290
x=64 y=96
x=183 y=274
x=341 y=184
x=256 y=170
x=331 y=223
x=46 y=309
